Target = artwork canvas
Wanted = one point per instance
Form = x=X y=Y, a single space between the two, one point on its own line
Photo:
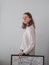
x=27 y=60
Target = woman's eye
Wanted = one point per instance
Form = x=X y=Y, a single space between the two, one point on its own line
x=25 y=18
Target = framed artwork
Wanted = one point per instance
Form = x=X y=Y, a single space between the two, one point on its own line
x=27 y=60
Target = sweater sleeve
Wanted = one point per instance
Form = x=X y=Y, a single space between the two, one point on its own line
x=31 y=38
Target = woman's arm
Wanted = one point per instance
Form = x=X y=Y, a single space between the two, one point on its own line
x=31 y=39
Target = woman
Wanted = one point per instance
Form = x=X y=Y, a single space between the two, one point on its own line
x=28 y=40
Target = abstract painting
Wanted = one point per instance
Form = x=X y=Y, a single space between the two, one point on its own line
x=27 y=60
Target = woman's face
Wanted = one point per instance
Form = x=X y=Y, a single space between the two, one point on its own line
x=26 y=19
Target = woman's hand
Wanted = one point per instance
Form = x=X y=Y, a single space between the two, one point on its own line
x=21 y=53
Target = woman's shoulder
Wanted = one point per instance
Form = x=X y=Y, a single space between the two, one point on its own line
x=30 y=31
x=30 y=28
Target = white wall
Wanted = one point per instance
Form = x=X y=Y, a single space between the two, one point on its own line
x=0 y=12
x=11 y=31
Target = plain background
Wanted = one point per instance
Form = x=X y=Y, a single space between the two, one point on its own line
x=10 y=27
